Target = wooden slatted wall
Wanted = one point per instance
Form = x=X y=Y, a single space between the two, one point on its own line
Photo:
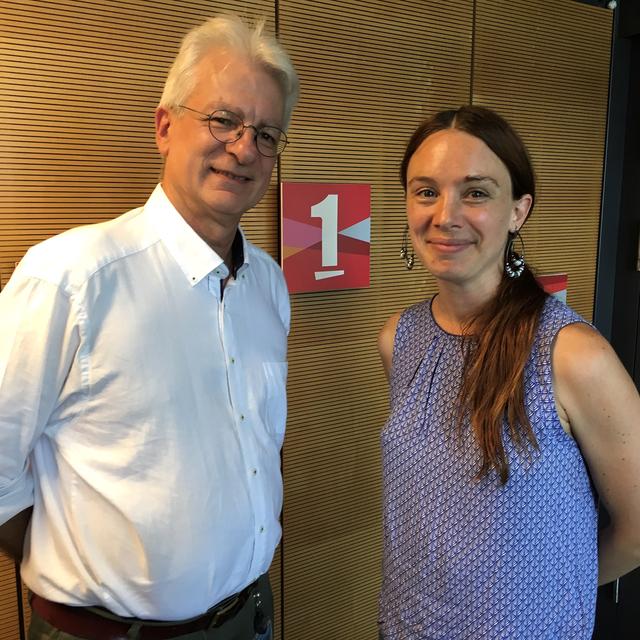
x=370 y=73
x=9 y=616
x=545 y=66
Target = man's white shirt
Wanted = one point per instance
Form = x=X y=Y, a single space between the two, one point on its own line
x=142 y=414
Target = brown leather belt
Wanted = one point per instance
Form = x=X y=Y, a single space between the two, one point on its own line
x=86 y=623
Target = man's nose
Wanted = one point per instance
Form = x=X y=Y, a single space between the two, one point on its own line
x=244 y=148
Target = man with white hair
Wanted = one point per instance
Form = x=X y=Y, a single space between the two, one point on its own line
x=142 y=377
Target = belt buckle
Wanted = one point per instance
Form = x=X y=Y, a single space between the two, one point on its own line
x=223 y=610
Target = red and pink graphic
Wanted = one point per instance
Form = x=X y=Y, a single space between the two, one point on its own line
x=326 y=236
x=555 y=284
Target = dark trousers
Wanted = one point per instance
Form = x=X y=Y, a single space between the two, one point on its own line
x=240 y=627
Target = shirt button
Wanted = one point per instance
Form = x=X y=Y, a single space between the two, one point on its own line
x=261 y=529
x=233 y=360
x=241 y=417
x=254 y=472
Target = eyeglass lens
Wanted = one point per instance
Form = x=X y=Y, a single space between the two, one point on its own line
x=226 y=127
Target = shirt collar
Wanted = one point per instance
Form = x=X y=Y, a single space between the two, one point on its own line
x=194 y=256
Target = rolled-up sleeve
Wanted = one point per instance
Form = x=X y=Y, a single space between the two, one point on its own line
x=38 y=339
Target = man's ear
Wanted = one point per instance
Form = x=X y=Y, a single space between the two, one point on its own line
x=163 y=127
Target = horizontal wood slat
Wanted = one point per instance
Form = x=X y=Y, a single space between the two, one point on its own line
x=9 y=618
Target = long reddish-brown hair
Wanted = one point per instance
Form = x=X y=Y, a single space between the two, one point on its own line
x=499 y=338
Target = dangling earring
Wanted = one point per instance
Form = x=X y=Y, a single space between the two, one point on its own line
x=514 y=262
x=409 y=258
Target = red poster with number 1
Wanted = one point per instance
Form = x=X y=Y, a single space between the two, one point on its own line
x=326 y=236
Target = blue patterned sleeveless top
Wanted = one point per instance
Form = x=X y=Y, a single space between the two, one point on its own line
x=469 y=559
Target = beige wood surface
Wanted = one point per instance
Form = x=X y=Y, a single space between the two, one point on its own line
x=552 y=83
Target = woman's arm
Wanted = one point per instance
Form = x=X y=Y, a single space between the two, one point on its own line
x=599 y=402
x=386 y=338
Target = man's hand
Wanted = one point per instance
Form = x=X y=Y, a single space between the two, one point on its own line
x=12 y=534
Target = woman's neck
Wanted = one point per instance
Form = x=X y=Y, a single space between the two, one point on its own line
x=454 y=309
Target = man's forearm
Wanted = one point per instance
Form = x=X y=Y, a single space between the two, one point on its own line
x=12 y=534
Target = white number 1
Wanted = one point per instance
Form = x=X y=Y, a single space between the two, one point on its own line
x=327 y=211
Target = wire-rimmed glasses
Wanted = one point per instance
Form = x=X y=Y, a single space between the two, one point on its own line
x=226 y=126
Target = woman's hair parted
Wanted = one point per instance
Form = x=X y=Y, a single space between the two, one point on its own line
x=500 y=337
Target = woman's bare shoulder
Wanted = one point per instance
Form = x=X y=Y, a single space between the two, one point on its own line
x=386 y=338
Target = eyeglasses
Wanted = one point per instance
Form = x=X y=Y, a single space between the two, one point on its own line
x=226 y=127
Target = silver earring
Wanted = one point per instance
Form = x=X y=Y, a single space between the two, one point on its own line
x=409 y=258
x=514 y=262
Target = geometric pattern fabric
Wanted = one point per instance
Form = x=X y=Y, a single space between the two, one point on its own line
x=468 y=558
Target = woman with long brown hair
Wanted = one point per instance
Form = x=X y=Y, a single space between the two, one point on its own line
x=510 y=415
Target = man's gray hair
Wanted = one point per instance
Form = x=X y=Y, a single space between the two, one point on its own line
x=229 y=32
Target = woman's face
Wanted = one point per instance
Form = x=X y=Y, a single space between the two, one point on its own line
x=460 y=209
